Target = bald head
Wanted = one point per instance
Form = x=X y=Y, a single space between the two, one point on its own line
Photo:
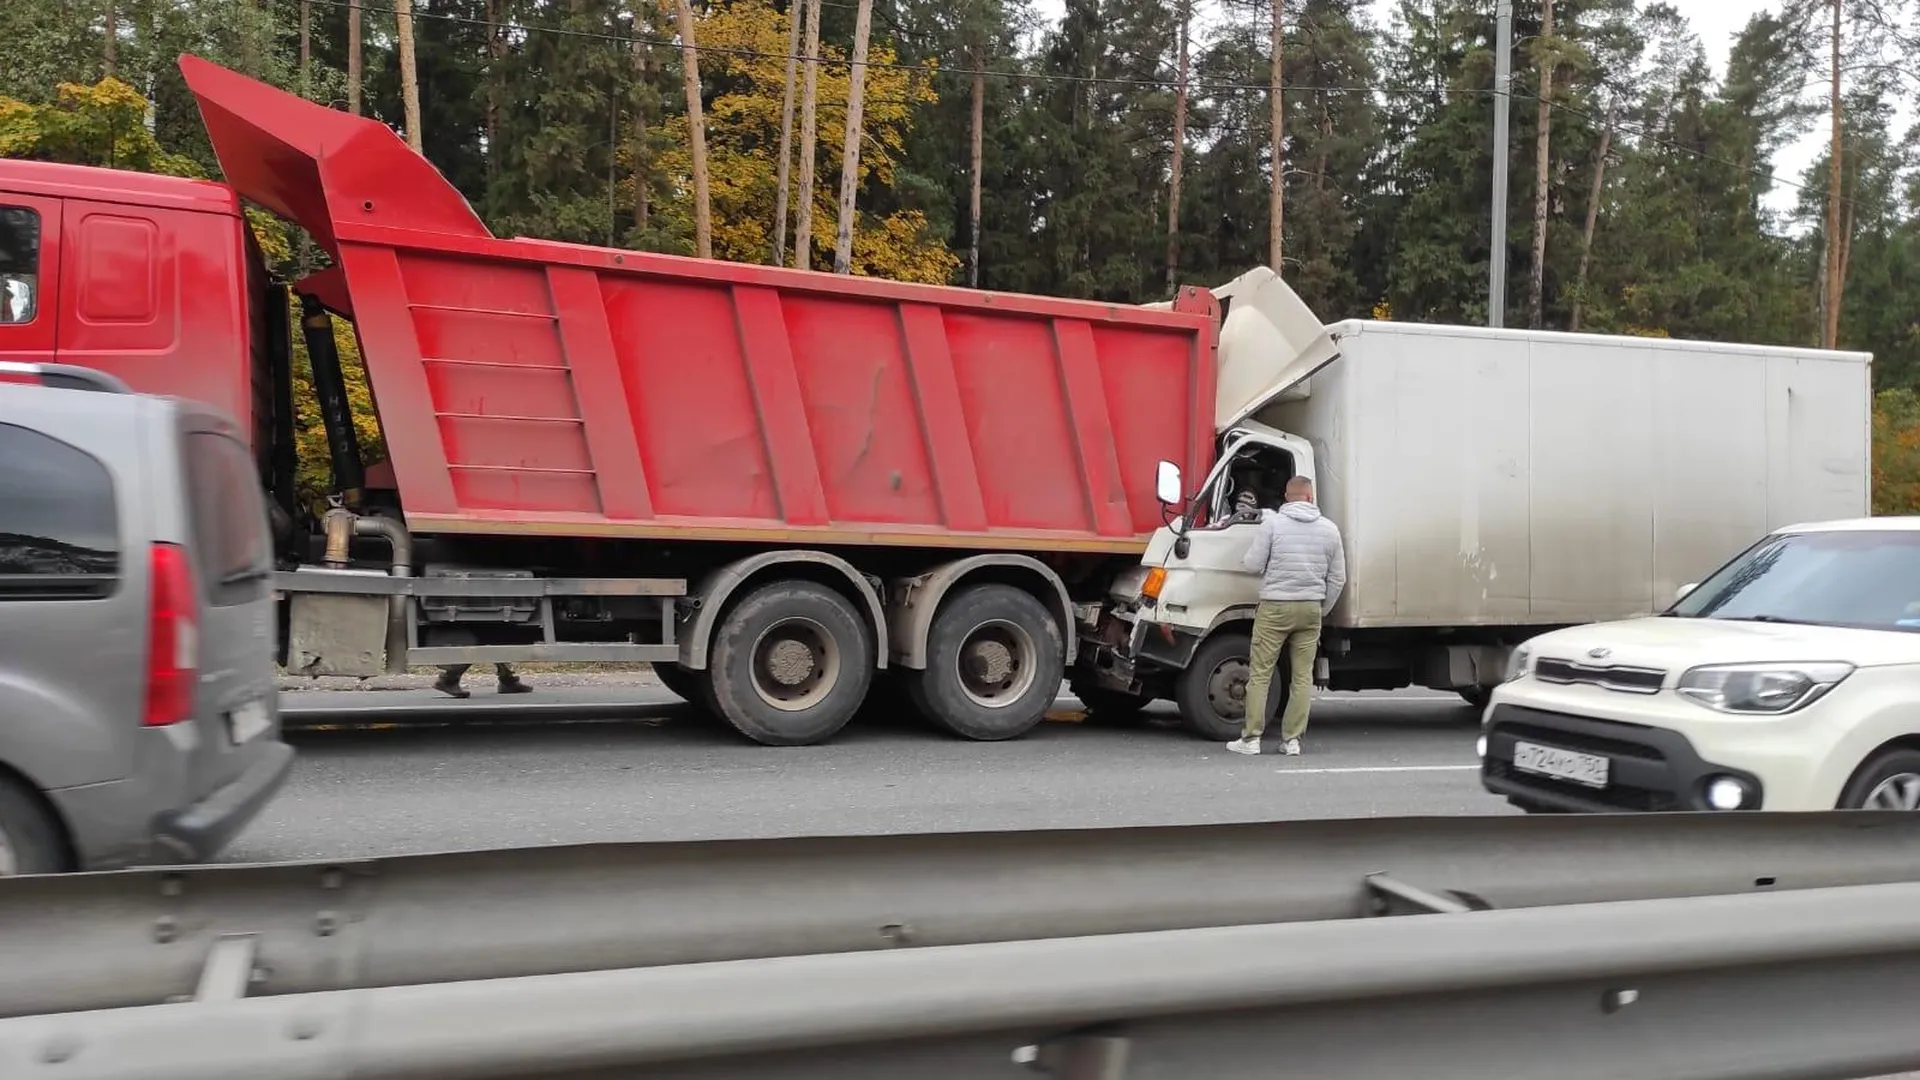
x=1299 y=489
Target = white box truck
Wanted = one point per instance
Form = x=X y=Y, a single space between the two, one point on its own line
x=1490 y=484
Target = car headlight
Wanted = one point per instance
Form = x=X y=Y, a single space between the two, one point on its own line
x=1519 y=663
x=1760 y=689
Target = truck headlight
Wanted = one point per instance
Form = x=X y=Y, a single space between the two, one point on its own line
x=1760 y=689
x=1519 y=662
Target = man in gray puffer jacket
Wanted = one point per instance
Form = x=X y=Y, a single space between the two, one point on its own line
x=1303 y=568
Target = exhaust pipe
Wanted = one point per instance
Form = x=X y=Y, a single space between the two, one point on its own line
x=399 y=610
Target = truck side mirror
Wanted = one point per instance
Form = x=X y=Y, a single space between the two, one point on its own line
x=1166 y=484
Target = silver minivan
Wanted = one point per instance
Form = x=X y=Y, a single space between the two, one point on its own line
x=138 y=716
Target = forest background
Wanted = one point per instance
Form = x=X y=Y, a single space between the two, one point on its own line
x=1109 y=148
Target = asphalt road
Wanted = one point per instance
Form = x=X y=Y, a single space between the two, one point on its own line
x=659 y=771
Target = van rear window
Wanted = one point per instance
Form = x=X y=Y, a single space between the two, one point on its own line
x=231 y=547
x=59 y=521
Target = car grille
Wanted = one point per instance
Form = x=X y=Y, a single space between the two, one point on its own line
x=1623 y=796
x=1592 y=744
x=1645 y=777
x=1630 y=680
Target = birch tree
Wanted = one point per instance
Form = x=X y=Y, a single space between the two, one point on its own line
x=850 y=155
x=809 y=137
x=794 y=19
x=696 y=133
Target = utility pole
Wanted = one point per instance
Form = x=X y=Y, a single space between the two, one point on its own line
x=1502 y=101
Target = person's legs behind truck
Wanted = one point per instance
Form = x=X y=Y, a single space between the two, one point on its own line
x=451 y=674
x=1292 y=626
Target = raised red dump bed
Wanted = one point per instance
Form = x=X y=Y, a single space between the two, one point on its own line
x=534 y=387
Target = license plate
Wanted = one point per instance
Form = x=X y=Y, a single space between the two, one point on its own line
x=248 y=721
x=1589 y=770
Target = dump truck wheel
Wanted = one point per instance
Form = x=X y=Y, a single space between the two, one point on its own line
x=1212 y=690
x=994 y=664
x=791 y=664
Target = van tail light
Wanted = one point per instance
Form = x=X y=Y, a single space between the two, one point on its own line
x=173 y=638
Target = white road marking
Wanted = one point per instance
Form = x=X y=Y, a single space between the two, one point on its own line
x=1378 y=769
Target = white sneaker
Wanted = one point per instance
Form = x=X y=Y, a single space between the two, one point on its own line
x=1244 y=746
x=1291 y=748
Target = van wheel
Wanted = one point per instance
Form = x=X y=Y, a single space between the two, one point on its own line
x=994 y=664
x=1212 y=690
x=29 y=837
x=1889 y=781
x=791 y=664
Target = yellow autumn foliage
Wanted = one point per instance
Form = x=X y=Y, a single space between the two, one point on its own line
x=103 y=124
x=1896 y=452
x=313 y=478
x=746 y=42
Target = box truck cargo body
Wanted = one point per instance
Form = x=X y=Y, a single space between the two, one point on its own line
x=1489 y=484
x=789 y=491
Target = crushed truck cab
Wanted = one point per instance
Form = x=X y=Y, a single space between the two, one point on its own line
x=1491 y=485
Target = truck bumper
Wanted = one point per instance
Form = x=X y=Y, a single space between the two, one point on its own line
x=1122 y=653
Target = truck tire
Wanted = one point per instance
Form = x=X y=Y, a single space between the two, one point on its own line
x=994 y=664
x=791 y=664
x=1212 y=690
x=1476 y=696
x=29 y=837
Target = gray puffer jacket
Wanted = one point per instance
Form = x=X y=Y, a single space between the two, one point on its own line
x=1299 y=556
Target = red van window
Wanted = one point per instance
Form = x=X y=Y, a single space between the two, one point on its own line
x=19 y=265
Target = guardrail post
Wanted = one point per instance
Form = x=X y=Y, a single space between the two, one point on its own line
x=229 y=968
x=1383 y=890
x=1089 y=1055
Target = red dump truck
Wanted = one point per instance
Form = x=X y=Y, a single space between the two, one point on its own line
x=773 y=485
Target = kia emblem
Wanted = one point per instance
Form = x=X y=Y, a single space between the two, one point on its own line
x=1600 y=653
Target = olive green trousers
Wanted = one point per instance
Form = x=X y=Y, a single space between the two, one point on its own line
x=1292 y=625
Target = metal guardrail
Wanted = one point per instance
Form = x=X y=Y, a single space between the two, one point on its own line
x=131 y=938
x=1803 y=984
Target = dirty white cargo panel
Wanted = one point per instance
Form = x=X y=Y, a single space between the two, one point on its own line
x=1506 y=477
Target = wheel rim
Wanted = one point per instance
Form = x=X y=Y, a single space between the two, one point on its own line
x=796 y=664
x=996 y=664
x=1227 y=688
x=1900 y=791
